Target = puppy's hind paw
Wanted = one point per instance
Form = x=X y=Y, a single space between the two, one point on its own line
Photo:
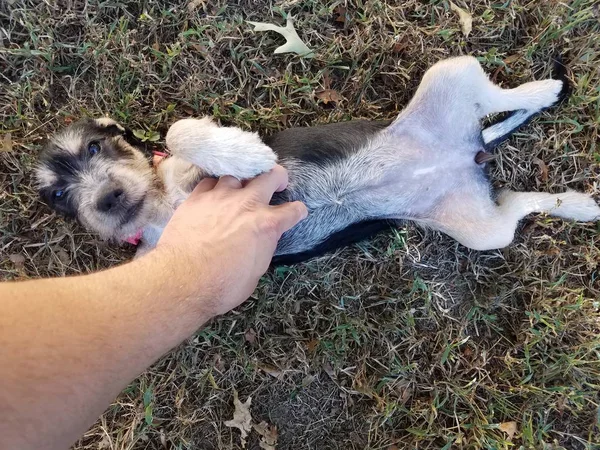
x=577 y=206
x=544 y=93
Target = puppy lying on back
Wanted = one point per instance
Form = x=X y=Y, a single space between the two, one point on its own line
x=356 y=178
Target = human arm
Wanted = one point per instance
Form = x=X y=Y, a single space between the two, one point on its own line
x=68 y=346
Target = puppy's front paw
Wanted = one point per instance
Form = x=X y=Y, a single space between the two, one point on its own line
x=253 y=159
x=220 y=150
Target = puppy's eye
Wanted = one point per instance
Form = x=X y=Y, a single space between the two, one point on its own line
x=58 y=194
x=93 y=148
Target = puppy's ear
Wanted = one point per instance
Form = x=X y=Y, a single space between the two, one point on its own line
x=110 y=126
x=113 y=128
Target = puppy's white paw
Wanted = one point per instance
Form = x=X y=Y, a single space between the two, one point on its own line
x=577 y=206
x=220 y=150
x=542 y=94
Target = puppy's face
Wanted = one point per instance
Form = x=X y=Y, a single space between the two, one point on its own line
x=90 y=172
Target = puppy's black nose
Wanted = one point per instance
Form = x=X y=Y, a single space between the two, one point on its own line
x=110 y=200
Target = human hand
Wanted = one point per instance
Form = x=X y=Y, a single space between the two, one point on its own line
x=221 y=240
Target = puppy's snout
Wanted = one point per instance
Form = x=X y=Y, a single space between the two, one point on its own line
x=110 y=200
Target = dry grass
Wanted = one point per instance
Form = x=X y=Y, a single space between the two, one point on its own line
x=406 y=341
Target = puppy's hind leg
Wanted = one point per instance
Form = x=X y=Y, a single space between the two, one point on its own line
x=480 y=224
x=456 y=93
x=219 y=150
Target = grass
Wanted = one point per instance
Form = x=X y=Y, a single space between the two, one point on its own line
x=405 y=341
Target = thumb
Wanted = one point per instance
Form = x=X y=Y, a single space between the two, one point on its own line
x=288 y=214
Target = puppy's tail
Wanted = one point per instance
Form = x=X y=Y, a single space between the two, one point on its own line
x=500 y=131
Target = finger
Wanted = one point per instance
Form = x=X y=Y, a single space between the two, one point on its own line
x=288 y=214
x=205 y=185
x=228 y=182
x=268 y=183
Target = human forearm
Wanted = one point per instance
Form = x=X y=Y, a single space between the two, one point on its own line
x=69 y=346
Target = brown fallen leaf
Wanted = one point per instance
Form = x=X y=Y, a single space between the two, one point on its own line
x=328 y=96
x=250 y=336
x=543 y=169
x=552 y=251
x=400 y=46
x=242 y=420
x=18 y=260
x=200 y=49
x=312 y=345
x=195 y=4
x=466 y=20
x=340 y=12
x=6 y=144
x=63 y=255
x=511 y=59
x=329 y=370
x=271 y=370
x=510 y=428
x=104 y=443
x=269 y=435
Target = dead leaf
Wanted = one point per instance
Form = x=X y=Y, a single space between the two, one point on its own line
x=307 y=380
x=552 y=251
x=242 y=420
x=104 y=442
x=466 y=20
x=271 y=370
x=467 y=352
x=329 y=370
x=18 y=260
x=543 y=169
x=156 y=46
x=63 y=255
x=341 y=13
x=510 y=428
x=328 y=96
x=218 y=363
x=268 y=434
x=195 y=4
x=201 y=49
x=6 y=144
x=511 y=59
x=250 y=336
x=312 y=345
x=400 y=46
x=293 y=42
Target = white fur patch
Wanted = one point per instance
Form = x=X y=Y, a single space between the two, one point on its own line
x=107 y=122
x=69 y=141
x=501 y=129
x=424 y=171
x=220 y=150
x=45 y=177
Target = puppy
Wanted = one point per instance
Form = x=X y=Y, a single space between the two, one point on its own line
x=356 y=178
